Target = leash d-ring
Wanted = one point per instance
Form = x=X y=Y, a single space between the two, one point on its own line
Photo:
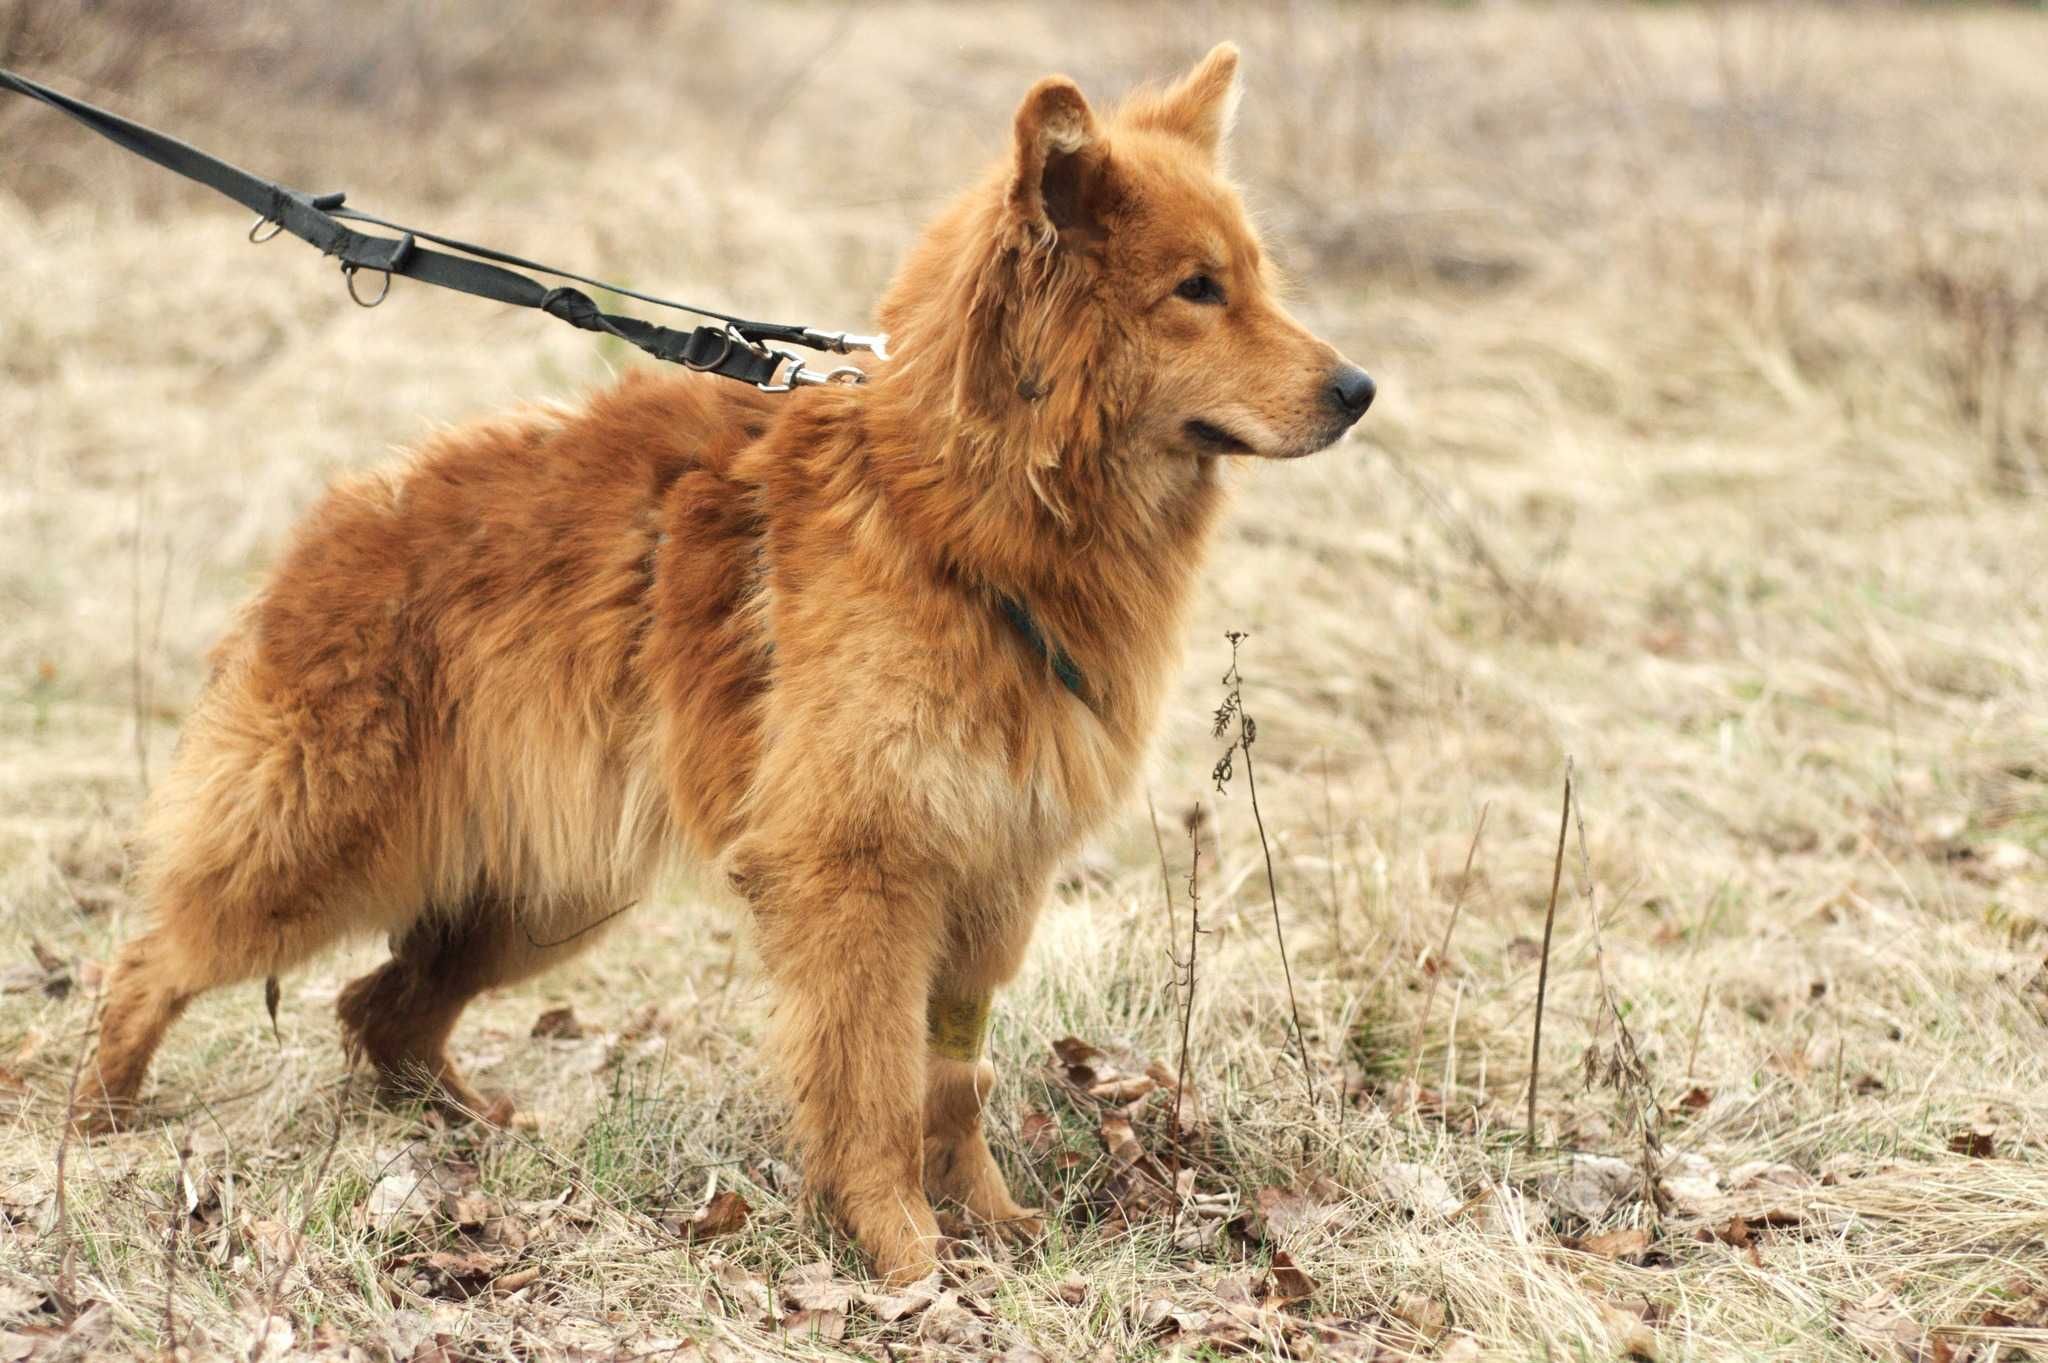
x=276 y=226
x=727 y=336
x=348 y=272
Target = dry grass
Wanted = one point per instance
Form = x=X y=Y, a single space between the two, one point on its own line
x=1711 y=452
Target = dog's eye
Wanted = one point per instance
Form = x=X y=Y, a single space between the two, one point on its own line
x=1199 y=288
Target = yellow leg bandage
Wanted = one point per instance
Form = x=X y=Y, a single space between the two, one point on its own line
x=956 y=1026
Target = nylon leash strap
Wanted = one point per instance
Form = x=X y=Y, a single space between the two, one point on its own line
x=733 y=348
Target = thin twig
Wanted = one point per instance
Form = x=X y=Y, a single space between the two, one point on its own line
x=291 y=1253
x=1564 y=822
x=1231 y=709
x=1165 y=876
x=1443 y=951
x=67 y=1281
x=1699 y=1022
x=1187 y=1010
x=1628 y=1072
x=1279 y=932
x=180 y=1210
x=1330 y=860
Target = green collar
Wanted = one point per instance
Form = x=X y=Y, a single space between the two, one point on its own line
x=1063 y=665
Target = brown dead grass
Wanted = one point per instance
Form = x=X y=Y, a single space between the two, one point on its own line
x=1711 y=452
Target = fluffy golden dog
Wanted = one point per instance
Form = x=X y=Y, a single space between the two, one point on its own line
x=882 y=655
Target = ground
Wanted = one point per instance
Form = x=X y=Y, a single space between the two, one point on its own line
x=1709 y=464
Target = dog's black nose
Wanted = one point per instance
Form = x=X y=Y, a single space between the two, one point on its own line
x=1352 y=389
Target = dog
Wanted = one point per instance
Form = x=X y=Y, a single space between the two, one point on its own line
x=879 y=655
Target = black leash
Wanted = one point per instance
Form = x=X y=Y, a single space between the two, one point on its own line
x=735 y=348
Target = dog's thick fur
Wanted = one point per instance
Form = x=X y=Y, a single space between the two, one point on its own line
x=490 y=690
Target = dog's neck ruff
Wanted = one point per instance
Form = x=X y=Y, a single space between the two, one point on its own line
x=1048 y=650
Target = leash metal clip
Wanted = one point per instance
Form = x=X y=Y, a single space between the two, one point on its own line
x=799 y=375
x=846 y=342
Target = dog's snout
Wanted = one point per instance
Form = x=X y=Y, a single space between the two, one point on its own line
x=1351 y=391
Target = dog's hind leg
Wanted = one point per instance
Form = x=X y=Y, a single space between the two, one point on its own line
x=401 y=1014
x=197 y=942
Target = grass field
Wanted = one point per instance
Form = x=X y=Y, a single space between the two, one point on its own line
x=1711 y=457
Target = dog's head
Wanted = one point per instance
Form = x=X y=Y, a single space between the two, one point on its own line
x=1104 y=295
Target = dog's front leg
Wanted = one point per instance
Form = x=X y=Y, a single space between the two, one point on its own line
x=850 y=941
x=957 y=1163
x=986 y=944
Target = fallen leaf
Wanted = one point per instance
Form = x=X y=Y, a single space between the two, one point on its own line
x=1079 y=1060
x=1039 y=1131
x=893 y=1306
x=1287 y=1283
x=1164 y=1317
x=1121 y=1142
x=814 y=1287
x=724 y=1214
x=1426 y=1315
x=949 y=1323
x=1628 y=1332
x=1626 y=1246
x=815 y=1324
x=1880 y=1329
x=558 y=1024
x=736 y=1291
x=1187 y=1108
x=507 y=1283
x=1417 y=1189
x=1591 y=1185
x=1977 y=1141
x=1761 y=1173
x=1123 y=1089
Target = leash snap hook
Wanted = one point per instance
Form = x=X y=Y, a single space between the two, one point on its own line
x=799 y=376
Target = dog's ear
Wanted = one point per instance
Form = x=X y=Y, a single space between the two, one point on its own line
x=1200 y=106
x=1057 y=186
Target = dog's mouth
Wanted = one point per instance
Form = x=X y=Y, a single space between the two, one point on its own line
x=1216 y=440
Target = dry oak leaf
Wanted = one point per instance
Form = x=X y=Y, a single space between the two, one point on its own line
x=1079 y=1059
x=813 y=1287
x=1286 y=1283
x=1417 y=1189
x=1121 y=1141
x=893 y=1306
x=725 y=1214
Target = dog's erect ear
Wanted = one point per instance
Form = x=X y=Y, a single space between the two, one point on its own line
x=1201 y=105
x=1057 y=186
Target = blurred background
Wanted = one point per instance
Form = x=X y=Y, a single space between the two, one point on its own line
x=1711 y=450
